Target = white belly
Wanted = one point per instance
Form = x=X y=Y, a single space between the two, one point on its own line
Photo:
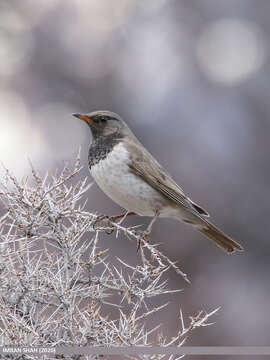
x=125 y=188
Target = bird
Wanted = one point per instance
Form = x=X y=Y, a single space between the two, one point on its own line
x=128 y=174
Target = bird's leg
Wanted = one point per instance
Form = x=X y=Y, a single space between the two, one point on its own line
x=148 y=230
x=149 y=227
x=121 y=217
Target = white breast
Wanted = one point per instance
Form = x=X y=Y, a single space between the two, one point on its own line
x=113 y=176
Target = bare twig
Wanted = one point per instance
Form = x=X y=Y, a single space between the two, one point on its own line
x=57 y=284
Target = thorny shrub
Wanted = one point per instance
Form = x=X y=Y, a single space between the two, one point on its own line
x=55 y=280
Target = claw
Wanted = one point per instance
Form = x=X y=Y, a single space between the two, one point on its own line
x=120 y=218
x=111 y=230
x=139 y=243
x=98 y=220
x=146 y=236
x=143 y=235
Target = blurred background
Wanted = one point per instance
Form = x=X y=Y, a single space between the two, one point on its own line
x=191 y=78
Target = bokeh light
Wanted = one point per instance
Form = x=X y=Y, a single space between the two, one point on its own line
x=20 y=141
x=231 y=50
x=16 y=42
x=191 y=80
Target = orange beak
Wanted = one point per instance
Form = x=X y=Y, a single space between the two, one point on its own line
x=83 y=117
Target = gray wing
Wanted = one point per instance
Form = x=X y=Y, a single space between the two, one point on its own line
x=143 y=164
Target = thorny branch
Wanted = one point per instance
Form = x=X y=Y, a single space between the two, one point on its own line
x=58 y=287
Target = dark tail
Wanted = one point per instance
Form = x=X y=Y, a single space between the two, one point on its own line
x=222 y=240
x=212 y=232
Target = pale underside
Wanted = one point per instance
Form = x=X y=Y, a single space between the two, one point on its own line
x=115 y=178
x=132 y=178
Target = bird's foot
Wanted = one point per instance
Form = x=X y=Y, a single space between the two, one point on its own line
x=146 y=235
x=98 y=220
x=113 y=219
x=143 y=235
x=110 y=228
x=121 y=218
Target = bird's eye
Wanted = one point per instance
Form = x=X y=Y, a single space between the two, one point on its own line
x=103 y=119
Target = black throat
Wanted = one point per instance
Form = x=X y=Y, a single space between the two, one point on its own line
x=101 y=147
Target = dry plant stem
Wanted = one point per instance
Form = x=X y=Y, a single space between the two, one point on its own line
x=59 y=287
x=139 y=237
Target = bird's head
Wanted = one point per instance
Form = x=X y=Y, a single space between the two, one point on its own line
x=104 y=123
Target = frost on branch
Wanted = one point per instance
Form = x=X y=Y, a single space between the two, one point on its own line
x=57 y=286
